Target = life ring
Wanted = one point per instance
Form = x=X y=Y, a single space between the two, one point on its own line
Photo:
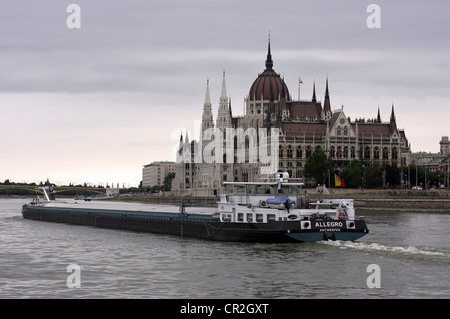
x=342 y=215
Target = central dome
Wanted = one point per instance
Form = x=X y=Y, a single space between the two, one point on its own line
x=269 y=85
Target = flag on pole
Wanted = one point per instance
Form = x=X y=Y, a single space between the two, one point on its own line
x=299 y=82
x=338 y=181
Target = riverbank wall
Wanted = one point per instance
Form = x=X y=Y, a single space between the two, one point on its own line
x=396 y=199
x=371 y=199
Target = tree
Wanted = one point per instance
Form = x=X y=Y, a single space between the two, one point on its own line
x=353 y=174
x=168 y=181
x=374 y=175
x=317 y=166
x=392 y=175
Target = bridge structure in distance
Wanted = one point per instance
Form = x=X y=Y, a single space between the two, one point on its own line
x=58 y=189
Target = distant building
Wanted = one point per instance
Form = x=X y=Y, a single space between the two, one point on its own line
x=305 y=127
x=153 y=174
x=436 y=162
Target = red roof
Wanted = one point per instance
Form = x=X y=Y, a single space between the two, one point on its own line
x=303 y=110
x=305 y=129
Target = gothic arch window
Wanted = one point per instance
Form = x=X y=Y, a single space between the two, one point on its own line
x=299 y=152
x=332 y=152
x=338 y=131
x=376 y=152
x=385 y=153
x=367 y=152
x=352 y=152
x=394 y=153
x=289 y=151
x=345 y=152
x=280 y=152
x=308 y=151
x=339 y=151
x=345 y=131
x=318 y=148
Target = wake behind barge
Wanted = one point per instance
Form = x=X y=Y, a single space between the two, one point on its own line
x=250 y=212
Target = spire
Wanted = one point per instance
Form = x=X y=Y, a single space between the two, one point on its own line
x=223 y=95
x=326 y=104
x=207 y=118
x=392 y=114
x=180 y=146
x=224 y=114
x=378 y=116
x=269 y=62
x=314 y=92
x=392 y=124
x=186 y=140
x=207 y=97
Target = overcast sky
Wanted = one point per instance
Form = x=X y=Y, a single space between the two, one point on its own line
x=96 y=103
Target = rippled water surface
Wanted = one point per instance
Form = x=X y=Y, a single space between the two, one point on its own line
x=412 y=251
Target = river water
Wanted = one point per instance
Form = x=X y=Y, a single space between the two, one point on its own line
x=410 y=251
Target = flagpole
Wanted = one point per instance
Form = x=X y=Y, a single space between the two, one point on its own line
x=299 y=82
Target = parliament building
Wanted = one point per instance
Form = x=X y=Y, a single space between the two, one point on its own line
x=305 y=126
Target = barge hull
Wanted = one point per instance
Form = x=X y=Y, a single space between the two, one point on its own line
x=196 y=226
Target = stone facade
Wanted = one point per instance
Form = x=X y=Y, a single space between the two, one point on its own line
x=304 y=126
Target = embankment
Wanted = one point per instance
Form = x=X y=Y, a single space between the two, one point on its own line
x=370 y=199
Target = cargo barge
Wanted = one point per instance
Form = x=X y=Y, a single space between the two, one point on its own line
x=248 y=212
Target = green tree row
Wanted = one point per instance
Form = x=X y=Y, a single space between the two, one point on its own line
x=320 y=168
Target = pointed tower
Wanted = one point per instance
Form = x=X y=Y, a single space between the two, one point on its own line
x=392 y=114
x=180 y=146
x=378 y=116
x=207 y=117
x=326 y=113
x=269 y=62
x=186 y=140
x=392 y=123
x=314 y=100
x=223 y=116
